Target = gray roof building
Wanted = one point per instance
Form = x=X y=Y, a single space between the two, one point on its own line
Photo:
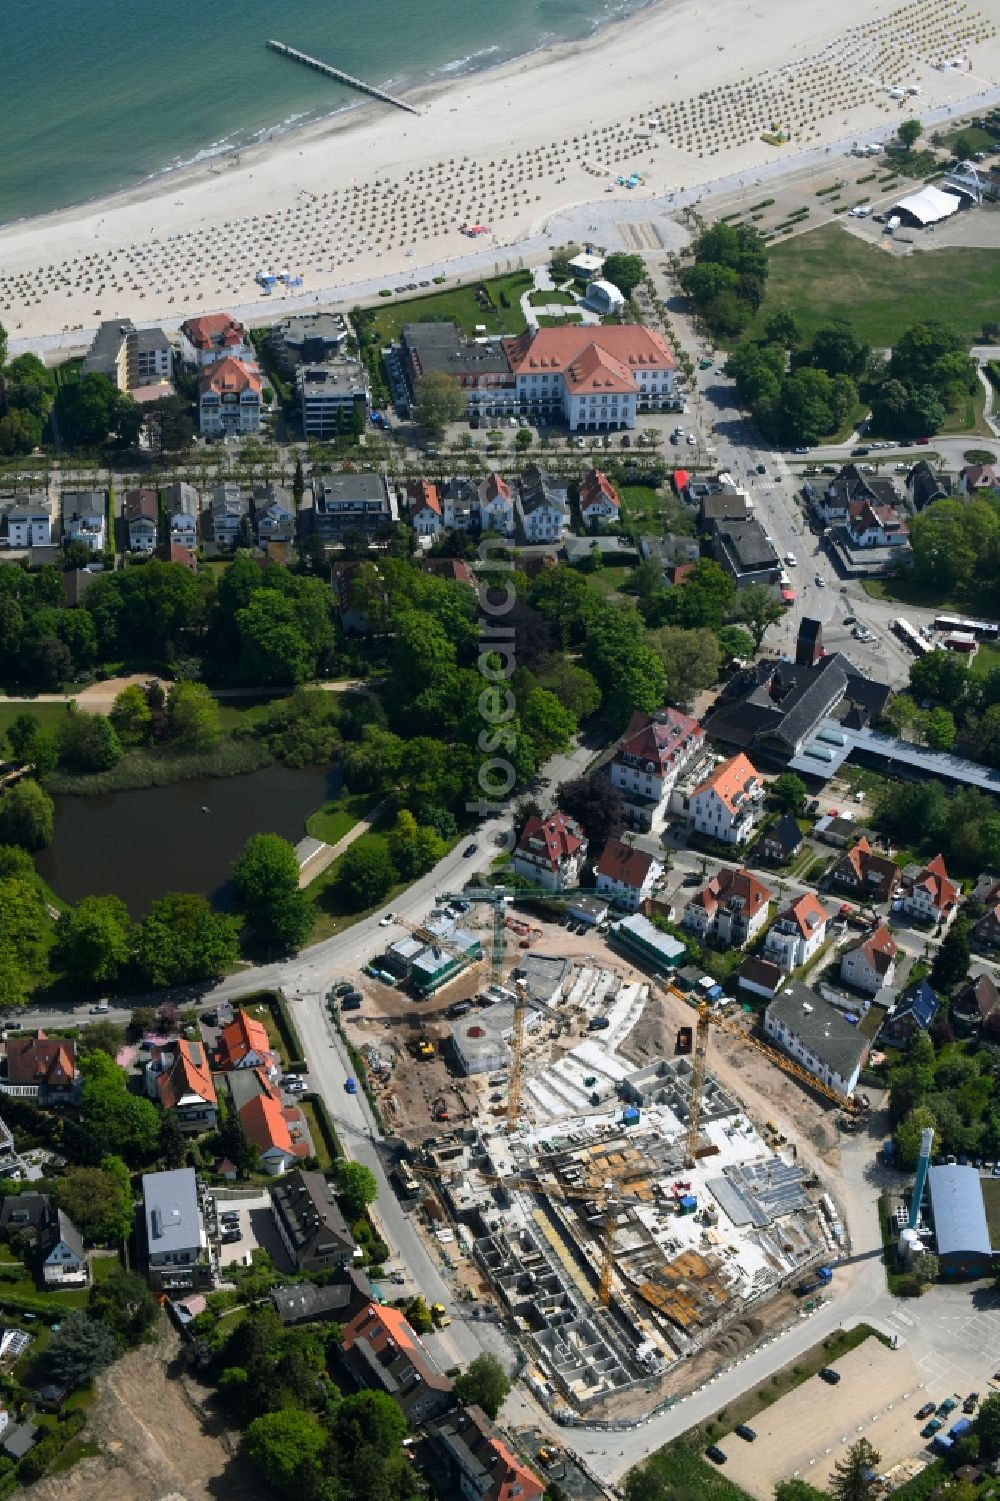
x=431 y=347
x=305 y=1303
x=816 y=1035
x=742 y=548
x=17 y=1441
x=170 y=1204
x=309 y=339
x=310 y=1224
x=19 y=1212
x=960 y=1224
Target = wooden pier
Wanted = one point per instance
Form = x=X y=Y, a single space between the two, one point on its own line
x=340 y=76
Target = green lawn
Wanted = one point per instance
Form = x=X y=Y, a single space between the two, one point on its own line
x=829 y=274
x=986 y=660
x=318 y=1144
x=551 y=299
x=457 y=306
x=50 y=716
x=235 y=713
x=609 y=580
x=546 y=320
x=977 y=138
x=642 y=503
x=979 y=600
x=338 y=817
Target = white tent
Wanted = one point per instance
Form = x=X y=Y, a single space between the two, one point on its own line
x=929 y=206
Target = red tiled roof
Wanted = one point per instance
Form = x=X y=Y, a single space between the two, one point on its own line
x=806 y=913
x=188 y=1074
x=595 y=487
x=557 y=837
x=878 y=947
x=243 y=1035
x=732 y=885
x=615 y=350
x=934 y=879
x=494 y=486
x=229 y=374
x=620 y=862
x=730 y=781
x=41 y=1060
x=661 y=739
x=266 y=1125
x=213 y=331
x=423 y=496
x=176 y=552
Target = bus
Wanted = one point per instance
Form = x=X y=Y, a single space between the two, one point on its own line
x=983 y=630
x=910 y=637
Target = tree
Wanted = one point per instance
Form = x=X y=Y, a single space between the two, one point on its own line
x=691 y=660
x=27 y=816
x=182 y=939
x=906 y=1137
x=760 y=610
x=356 y=1185
x=854 y=1475
x=169 y=425
x=418 y=1315
x=900 y=713
x=838 y=350
x=909 y=133
x=124 y=1302
x=92 y=411
x=484 y=1383
x=789 y=792
x=131 y=716
x=94 y=940
x=937 y=729
x=366 y=872
x=78 y=1349
x=193 y=716
x=735 y=642
x=266 y=877
x=951 y=962
x=88 y=742
x=98 y=1200
x=624 y=271
x=28 y=741
x=437 y=400
x=289 y=1446
x=124 y=1123
x=797 y=1490
x=298 y=482
x=782 y=327
x=102 y=1036
x=987 y=1426
x=925 y=1268
x=595 y=804
x=414 y=848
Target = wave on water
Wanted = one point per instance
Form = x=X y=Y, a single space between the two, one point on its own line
x=472 y=59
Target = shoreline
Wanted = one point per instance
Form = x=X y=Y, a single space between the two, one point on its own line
x=365 y=198
x=354 y=112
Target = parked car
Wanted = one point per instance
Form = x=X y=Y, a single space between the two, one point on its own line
x=715 y=1454
x=351 y=1002
x=924 y=1412
x=351 y=1085
x=929 y=1429
x=744 y=1431
x=230 y=1237
x=100 y=1009
x=469 y=851
x=830 y=1376
x=971 y=1402
x=344 y=988
x=387 y=921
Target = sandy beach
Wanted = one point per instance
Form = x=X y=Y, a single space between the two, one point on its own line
x=681 y=93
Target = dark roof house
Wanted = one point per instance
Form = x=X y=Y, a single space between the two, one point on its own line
x=915 y=1009
x=310 y=1224
x=782 y=840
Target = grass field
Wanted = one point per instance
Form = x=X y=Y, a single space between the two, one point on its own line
x=338 y=817
x=546 y=320
x=978 y=600
x=977 y=138
x=829 y=274
x=608 y=580
x=986 y=660
x=642 y=503
x=458 y=306
x=551 y=299
x=48 y=715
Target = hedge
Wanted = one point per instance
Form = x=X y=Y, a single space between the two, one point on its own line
x=327 y=1129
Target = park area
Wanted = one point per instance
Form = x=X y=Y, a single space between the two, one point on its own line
x=499 y=313
x=829 y=274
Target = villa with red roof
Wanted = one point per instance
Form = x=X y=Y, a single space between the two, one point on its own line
x=869 y=963
x=277 y=1131
x=931 y=896
x=595 y=378
x=382 y=1353
x=600 y=503
x=228 y=399
x=654 y=752
x=798 y=933
x=478 y=1461
x=626 y=875
x=727 y=805
x=731 y=908
x=244 y=1043
x=551 y=851
x=425 y=508
x=496 y=506
x=48 y=1062
x=208 y=338
x=179 y=1075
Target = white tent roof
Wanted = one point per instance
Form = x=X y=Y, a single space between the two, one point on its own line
x=929 y=206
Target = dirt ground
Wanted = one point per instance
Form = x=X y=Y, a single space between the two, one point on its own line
x=809 y=1430
x=157 y=1444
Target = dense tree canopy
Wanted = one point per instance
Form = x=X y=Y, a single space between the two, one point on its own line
x=266 y=877
x=182 y=939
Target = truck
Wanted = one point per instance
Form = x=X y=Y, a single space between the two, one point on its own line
x=440 y=1315
x=960 y=1429
x=818 y=1278
x=941 y=1443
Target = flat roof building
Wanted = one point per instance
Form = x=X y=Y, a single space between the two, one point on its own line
x=646 y=943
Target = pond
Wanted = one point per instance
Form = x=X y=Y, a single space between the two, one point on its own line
x=141 y=844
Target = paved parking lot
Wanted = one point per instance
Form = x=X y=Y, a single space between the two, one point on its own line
x=809 y=1430
x=257 y=1228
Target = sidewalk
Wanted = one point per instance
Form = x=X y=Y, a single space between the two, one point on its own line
x=317 y=860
